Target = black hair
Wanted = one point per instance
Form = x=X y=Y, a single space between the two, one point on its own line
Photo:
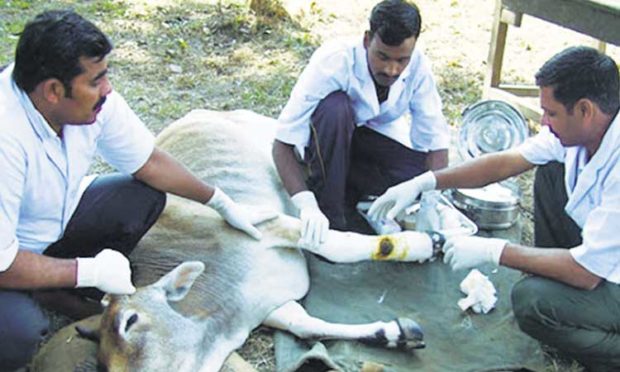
x=394 y=21
x=51 y=45
x=582 y=72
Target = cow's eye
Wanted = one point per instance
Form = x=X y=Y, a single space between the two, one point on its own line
x=131 y=321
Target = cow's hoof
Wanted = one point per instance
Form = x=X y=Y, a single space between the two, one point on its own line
x=411 y=335
x=438 y=241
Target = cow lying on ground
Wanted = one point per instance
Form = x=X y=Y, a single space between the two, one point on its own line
x=238 y=282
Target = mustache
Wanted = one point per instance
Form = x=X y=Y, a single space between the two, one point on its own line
x=394 y=77
x=99 y=103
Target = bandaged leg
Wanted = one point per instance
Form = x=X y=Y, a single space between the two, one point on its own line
x=346 y=247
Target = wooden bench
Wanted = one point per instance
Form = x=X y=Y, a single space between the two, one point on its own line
x=599 y=19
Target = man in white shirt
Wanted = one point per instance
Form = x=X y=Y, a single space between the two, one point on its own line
x=572 y=300
x=363 y=116
x=58 y=228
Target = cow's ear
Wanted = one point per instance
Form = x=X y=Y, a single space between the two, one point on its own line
x=178 y=282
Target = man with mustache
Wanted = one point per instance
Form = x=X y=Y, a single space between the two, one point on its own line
x=60 y=229
x=363 y=116
x=572 y=300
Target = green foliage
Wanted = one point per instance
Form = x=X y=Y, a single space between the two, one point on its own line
x=19 y=4
x=111 y=8
x=171 y=57
x=458 y=89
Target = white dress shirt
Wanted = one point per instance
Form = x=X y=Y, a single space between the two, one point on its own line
x=593 y=189
x=41 y=172
x=411 y=114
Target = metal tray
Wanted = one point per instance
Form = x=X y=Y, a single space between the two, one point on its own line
x=408 y=220
x=468 y=227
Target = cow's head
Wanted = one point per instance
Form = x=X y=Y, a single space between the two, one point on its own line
x=142 y=332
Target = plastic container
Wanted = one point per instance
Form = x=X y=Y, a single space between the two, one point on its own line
x=459 y=224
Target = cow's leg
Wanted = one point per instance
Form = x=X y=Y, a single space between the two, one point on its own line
x=402 y=246
x=350 y=247
x=401 y=333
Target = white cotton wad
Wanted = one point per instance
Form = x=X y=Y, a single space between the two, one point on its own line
x=480 y=293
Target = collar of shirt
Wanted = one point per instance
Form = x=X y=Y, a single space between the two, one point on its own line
x=583 y=176
x=37 y=121
x=53 y=144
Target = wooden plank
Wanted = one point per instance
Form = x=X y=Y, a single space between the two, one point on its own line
x=496 y=49
x=520 y=90
x=599 y=19
x=511 y=18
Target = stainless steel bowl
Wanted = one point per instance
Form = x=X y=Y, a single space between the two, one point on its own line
x=492 y=207
x=490 y=126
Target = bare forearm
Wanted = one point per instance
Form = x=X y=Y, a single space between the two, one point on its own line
x=553 y=263
x=482 y=171
x=166 y=174
x=34 y=271
x=288 y=167
x=437 y=159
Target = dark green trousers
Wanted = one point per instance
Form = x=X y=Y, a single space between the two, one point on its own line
x=585 y=325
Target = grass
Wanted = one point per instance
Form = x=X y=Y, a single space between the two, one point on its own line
x=171 y=56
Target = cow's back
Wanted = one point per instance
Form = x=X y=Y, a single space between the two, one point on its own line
x=232 y=151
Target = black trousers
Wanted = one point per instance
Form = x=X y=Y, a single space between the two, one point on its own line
x=584 y=325
x=347 y=162
x=553 y=227
x=114 y=212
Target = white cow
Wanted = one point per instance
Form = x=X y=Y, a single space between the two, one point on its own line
x=238 y=282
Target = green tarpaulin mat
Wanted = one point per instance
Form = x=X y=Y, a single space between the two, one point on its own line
x=428 y=293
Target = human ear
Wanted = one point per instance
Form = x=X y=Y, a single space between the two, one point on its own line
x=53 y=90
x=367 y=39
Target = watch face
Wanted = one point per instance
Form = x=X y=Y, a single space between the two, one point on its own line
x=490 y=126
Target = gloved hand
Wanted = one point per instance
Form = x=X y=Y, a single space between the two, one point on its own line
x=401 y=196
x=314 y=224
x=108 y=271
x=466 y=252
x=237 y=215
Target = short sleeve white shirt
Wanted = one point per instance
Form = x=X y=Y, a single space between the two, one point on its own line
x=411 y=115
x=41 y=172
x=593 y=189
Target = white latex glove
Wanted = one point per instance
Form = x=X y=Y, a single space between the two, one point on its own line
x=465 y=252
x=314 y=224
x=237 y=215
x=401 y=196
x=108 y=271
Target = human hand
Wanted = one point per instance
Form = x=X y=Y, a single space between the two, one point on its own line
x=314 y=224
x=238 y=215
x=466 y=252
x=401 y=196
x=108 y=271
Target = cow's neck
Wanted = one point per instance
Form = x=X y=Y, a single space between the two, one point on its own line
x=220 y=339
